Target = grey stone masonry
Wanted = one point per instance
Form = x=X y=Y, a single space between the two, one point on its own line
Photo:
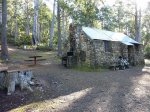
x=97 y=56
x=9 y=79
x=97 y=53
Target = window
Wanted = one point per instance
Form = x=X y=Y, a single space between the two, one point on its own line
x=107 y=46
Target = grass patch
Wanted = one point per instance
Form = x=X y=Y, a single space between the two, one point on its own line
x=1 y=60
x=17 y=56
x=90 y=69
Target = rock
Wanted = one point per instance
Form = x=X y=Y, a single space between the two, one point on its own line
x=12 y=78
x=55 y=82
x=31 y=83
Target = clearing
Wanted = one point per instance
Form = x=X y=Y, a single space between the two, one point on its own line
x=66 y=90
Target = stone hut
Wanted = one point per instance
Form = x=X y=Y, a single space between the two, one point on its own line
x=95 y=47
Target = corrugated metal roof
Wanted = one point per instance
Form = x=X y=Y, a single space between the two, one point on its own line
x=95 y=33
x=127 y=43
x=119 y=37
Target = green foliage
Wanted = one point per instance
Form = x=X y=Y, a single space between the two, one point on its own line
x=147 y=51
x=93 y=13
x=107 y=18
x=43 y=47
x=21 y=17
x=86 y=68
x=23 y=39
x=83 y=12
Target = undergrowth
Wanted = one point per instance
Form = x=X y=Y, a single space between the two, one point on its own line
x=90 y=69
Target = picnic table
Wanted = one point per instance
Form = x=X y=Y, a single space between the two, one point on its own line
x=35 y=58
x=2 y=69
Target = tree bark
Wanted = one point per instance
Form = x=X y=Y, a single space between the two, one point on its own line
x=137 y=24
x=16 y=29
x=28 y=19
x=16 y=22
x=34 y=35
x=4 y=48
x=63 y=25
x=0 y=16
x=38 y=32
x=52 y=28
x=59 y=30
x=28 y=26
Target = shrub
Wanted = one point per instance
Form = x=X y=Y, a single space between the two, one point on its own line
x=23 y=40
x=147 y=51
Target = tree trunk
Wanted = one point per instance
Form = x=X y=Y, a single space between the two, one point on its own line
x=34 y=35
x=28 y=26
x=16 y=29
x=59 y=31
x=52 y=28
x=16 y=22
x=0 y=19
x=63 y=25
x=38 y=32
x=4 y=48
x=137 y=24
x=0 y=16
x=28 y=19
x=66 y=25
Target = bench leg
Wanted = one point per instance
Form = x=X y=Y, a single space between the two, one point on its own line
x=35 y=61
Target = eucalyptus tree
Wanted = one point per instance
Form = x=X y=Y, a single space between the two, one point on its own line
x=0 y=16
x=4 y=47
x=137 y=23
x=64 y=21
x=34 y=33
x=52 y=26
x=63 y=32
x=45 y=16
x=82 y=12
x=119 y=15
x=85 y=12
x=135 y=14
x=107 y=18
x=146 y=26
x=27 y=3
x=59 y=29
x=15 y=19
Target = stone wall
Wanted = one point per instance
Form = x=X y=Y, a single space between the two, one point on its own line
x=139 y=56
x=93 y=53
x=96 y=55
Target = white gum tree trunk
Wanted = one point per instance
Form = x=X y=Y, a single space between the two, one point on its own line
x=35 y=24
x=52 y=27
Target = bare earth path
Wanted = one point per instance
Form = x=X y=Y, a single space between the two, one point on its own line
x=66 y=90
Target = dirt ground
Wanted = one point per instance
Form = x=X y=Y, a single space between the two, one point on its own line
x=67 y=90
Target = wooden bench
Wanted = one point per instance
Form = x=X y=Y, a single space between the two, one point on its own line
x=2 y=69
x=35 y=59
